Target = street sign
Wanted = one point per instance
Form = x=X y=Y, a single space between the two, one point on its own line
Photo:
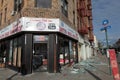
x=102 y=29
x=107 y=27
x=105 y=22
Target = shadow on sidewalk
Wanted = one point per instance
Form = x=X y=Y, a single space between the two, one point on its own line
x=10 y=78
x=95 y=76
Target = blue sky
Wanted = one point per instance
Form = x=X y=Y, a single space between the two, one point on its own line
x=106 y=9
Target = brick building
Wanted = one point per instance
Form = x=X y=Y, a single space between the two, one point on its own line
x=85 y=29
x=35 y=33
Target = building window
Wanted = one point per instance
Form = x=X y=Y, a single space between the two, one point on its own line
x=15 y=5
x=64 y=7
x=78 y=23
x=5 y=14
x=18 y=5
x=74 y=17
x=43 y=3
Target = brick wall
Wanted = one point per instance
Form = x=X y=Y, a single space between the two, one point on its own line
x=29 y=10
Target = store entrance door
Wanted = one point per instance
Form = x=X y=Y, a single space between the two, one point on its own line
x=40 y=57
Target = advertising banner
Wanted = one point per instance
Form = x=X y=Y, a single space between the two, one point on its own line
x=114 y=65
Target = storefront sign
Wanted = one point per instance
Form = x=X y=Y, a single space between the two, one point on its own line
x=114 y=64
x=13 y=28
x=65 y=29
x=41 y=24
x=38 y=24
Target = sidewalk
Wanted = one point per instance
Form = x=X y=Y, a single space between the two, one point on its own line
x=95 y=68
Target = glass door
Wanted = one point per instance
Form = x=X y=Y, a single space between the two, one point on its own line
x=40 y=53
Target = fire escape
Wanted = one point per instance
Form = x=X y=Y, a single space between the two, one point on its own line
x=82 y=11
x=91 y=36
x=85 y=12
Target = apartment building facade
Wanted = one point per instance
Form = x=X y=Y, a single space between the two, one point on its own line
x=85 y=29
x=35 y=33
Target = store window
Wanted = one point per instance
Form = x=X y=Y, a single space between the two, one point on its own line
x=10 y=52
x=66 y=46
x=73 y=54
x=64 y=51
x=15 y=51
x=68 y=51
x=71 y=51
x=19 y=52
x=43 y=3
x=3 y=50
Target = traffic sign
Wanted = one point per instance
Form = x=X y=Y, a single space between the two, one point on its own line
x=105 y=22
x=108 y=27
x=102 y=29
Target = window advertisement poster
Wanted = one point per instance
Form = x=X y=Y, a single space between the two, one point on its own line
x=114 y=64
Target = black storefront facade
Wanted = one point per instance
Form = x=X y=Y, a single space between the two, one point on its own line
x=30 y=43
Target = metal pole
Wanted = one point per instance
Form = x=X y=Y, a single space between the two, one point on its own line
x=107 y=49
x=106 y=38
